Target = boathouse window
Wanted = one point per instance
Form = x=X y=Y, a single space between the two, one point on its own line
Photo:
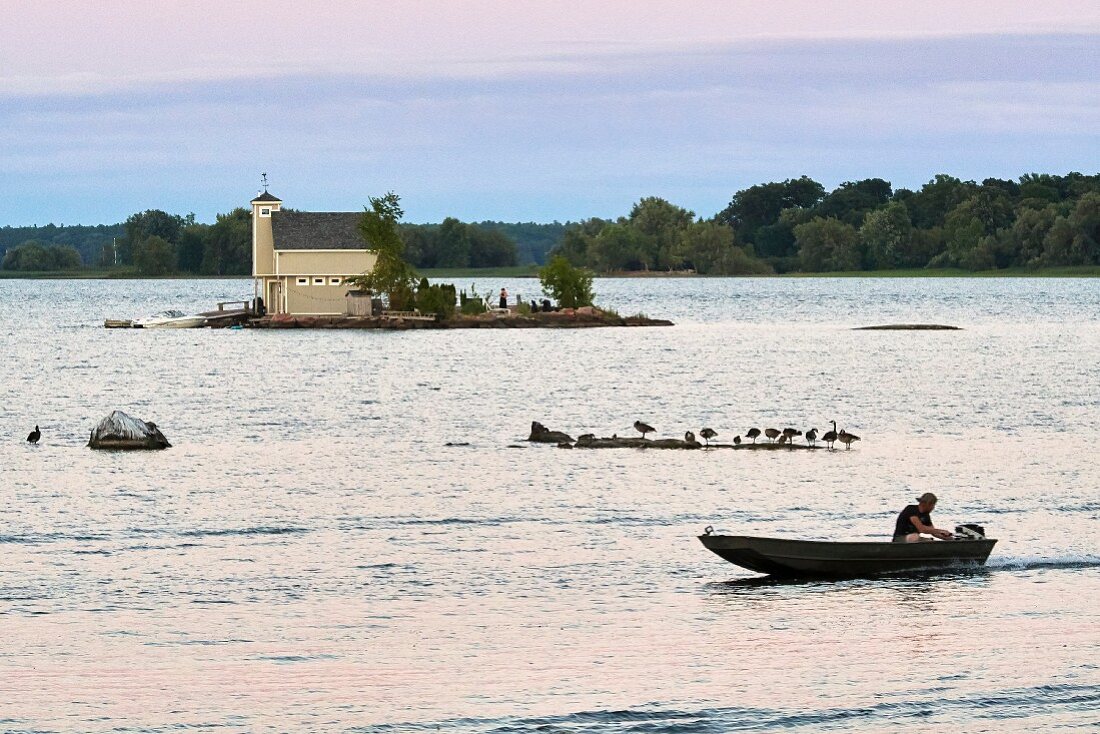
x=318 y=281
x=266 y=212
x=303 y=281
x=334 y=281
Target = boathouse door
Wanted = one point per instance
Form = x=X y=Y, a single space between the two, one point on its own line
x=275 y=297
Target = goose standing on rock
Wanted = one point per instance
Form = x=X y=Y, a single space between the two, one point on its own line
x=34 y=435
x=789 y=434
x=847 y=439
x=811 y=436
x=830 y=436
x=772 y=433
x=644 y=428
x=753 y=433
x=708 y=434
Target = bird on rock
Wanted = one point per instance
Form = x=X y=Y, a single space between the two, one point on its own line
x=830 y=436
x=811 y=436
x=753 y=433
x=736 y=440
x=689 y=437
x=772 y=433
x=34 y=435
x=708 y=434
x=643 y=428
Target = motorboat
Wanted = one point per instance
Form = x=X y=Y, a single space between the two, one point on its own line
x=817 y=558
x=170 y=320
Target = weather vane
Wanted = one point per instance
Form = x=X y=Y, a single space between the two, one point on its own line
x=263 y=177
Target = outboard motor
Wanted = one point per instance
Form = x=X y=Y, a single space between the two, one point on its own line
x=970 y=531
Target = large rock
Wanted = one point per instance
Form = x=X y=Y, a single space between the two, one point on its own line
x=542 y=434
x=120 y=431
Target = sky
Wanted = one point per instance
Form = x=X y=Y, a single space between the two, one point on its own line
x=527 y=110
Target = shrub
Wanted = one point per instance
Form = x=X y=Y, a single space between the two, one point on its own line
x=571 y=287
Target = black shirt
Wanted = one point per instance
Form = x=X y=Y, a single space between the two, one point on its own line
x=905 y=520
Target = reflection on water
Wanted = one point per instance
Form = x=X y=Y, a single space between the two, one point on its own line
x=311 y=555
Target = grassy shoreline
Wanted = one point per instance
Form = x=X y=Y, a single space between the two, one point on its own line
x=531 y=271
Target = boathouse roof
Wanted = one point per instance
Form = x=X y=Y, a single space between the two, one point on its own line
x=317 y=230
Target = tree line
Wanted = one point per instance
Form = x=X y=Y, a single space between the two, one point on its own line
x=796 y=225
x=1036 y=220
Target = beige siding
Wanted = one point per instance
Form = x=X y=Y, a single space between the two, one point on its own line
x=311 y=299
x=264 y=262
x=325 y=262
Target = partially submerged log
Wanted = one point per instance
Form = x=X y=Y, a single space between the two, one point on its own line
x=122 y=432
x=908 y=327
x=542 y=434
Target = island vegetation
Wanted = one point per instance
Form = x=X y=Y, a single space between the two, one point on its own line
x=1036 y=223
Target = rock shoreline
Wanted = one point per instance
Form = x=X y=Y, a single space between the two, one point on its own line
x=551 y=320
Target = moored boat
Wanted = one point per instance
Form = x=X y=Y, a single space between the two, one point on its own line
x=798 y=558
x=170 y=320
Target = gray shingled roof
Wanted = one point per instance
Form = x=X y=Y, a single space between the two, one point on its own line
x=317 y=231
x=267 y=197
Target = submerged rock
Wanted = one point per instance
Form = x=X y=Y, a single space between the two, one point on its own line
x=120 y=431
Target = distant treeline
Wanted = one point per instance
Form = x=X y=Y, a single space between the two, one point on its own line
x=1037 y=220
x=795 y=225
x=155 y=242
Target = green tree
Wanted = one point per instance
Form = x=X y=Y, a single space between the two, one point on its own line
x=227 y=244
x=454 y=244
x=617 y=246
x=760 y=205
x=886 y=234
x=851 y=201
x=660 y=225
x=35 y=256
x=827 y=244
x=192 y=246
x=929 y=207
x=392 y=275
x=155 y=256
x=571 y=287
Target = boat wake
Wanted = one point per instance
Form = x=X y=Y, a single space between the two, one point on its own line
x=1035 y=563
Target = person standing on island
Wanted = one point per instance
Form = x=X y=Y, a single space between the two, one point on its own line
x=504 y=298
x=916 y=520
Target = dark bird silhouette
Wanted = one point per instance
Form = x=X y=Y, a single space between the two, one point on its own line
x=811 y=436
x=643 y=428
x=830 y=436
x=847 y=439
x=736 y=440
x=708 y=434
x=753 y=433
x=790 y=433
x=34 y=435
x=783 y=439
x=689 y=437
x=772 y=433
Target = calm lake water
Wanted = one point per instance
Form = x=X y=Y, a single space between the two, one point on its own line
x=312 y=556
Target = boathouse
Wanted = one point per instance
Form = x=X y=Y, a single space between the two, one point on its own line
x=301 y=261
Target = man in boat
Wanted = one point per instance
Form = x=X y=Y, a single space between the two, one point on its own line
x=916 y=520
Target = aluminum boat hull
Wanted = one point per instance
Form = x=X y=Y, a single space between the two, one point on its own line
x=807 y=558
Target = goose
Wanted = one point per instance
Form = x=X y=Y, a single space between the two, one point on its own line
x=772 y=433
x=811 y=436
x=830 y=436
x=736 y=440
x=34 y=435
x=783 y=439
x=689 y=437
x=708 y=434
x=644 y=428
x=790 y=433
x=753 y=433
x=847 y=439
